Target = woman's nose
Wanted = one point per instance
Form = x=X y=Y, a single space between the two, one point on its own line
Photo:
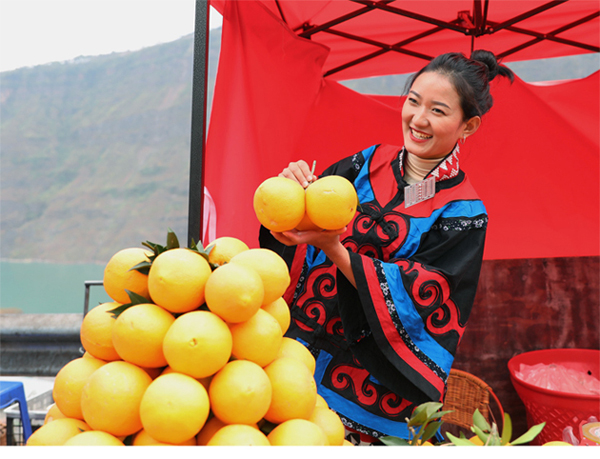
x=419 y=117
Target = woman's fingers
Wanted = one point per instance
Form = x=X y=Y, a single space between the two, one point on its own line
x=298 y=171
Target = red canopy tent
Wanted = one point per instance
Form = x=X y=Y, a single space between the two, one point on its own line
x=534 y=162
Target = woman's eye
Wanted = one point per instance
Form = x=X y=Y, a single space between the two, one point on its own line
x=412 y=100
x=438 y=111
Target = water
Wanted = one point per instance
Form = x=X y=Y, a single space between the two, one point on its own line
x=49 y=288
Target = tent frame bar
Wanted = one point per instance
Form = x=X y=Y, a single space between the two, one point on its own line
x=198 y=128
x=474 y=24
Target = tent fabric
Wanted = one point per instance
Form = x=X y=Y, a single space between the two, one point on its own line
x=391 y=37
x=534 y=161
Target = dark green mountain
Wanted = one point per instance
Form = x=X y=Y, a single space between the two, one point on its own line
x=95 y=152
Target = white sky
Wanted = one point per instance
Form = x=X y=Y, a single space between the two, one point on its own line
x=34 y=32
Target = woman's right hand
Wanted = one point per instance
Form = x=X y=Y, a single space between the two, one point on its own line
x=300 y=172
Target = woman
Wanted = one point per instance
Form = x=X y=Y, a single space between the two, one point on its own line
x=383 y=303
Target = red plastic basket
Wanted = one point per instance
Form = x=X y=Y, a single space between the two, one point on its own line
x=557 y=409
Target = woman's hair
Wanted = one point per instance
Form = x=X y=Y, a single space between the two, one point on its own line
x=470 y=78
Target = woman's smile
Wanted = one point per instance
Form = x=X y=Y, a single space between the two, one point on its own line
x=419 y=136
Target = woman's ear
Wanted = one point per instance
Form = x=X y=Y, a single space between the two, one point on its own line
x=471 y=126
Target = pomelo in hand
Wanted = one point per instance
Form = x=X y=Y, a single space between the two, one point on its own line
x=279 y=204
x=331 y=202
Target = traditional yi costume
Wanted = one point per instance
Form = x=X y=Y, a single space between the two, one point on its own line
x=387 y=345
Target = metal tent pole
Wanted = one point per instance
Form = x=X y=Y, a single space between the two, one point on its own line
x=198 y=134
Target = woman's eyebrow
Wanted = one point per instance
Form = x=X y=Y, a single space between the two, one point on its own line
x=435 y=102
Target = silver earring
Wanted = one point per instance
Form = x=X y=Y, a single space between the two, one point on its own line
x=464 y=137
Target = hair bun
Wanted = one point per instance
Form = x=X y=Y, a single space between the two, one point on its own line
x=494 y=68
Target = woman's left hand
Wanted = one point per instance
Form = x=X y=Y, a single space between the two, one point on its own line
x=326 y=240
x=321 y=239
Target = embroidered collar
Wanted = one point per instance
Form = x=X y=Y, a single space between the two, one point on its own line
x=446 y=169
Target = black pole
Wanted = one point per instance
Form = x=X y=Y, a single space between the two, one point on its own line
x=198 y=136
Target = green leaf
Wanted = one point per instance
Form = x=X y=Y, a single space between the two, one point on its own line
x=432 y=408
x=394 y=441
x=172 y=241
x=135 y=299
x=459 y=441
x=480 y=421
x=529 y=435
x=506 y=430
x=430 y=430
x=156 y=248
x=423 y=412
x=418 y=417
x=483 y=436
x=142 y=267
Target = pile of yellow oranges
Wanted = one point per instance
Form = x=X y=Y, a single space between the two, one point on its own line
x=203 y=361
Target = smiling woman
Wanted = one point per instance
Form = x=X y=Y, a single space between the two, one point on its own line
x=384 y=302
x=35 y=32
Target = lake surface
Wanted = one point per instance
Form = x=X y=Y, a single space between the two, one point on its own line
x=49 y=288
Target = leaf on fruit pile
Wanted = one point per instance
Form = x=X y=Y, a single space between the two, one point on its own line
x=157 y=249
x=135 y=299
x=204 y=252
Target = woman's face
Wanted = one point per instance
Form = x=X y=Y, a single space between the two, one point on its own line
x=432 y=119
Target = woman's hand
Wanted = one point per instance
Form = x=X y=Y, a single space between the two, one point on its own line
x=300 y=172
x=326 y=240
x=322 y=239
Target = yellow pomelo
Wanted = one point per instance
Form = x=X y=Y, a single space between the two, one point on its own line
x=57 y=432
x=69 y=383
x=258 y=339
x=204 y=381
x=210 y=428
x=177 y=280
x=111 y=399
x=94 y=438
x=331 y=424
x=281 y=311
x=331 y=202
x=240 y=393
x=294 y=391
x=174 y=408
x=143 y=438
x=119 y=277
x=270 y=267
x=96 y=332
x=238 y=435
x=53 y=413
x=224 y=248
x=234 y=292
x=321 y=402
x=296 y=350
x=297 y=432
x=138 y=334
x=307 y=224
x=198 y=344
x=279 y=204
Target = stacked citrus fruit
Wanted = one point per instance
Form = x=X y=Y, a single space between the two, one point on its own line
x=196 y=355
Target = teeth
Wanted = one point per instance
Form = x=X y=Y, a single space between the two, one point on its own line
x=419 y=135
